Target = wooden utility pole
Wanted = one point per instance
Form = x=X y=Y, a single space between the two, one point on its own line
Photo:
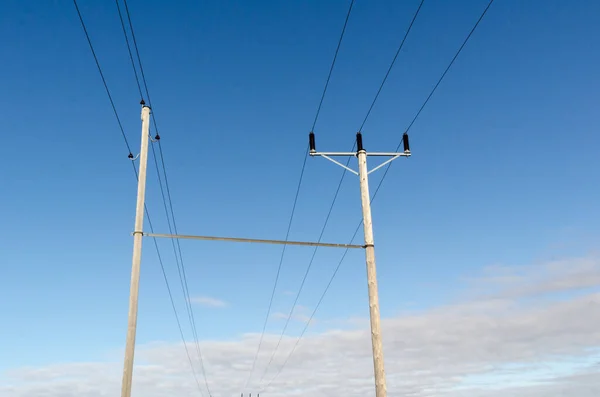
x=137 y=256
x=363 y=174
x=380 y=385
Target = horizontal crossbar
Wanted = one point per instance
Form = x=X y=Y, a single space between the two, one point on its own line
x=253 y=240
x=353 y=154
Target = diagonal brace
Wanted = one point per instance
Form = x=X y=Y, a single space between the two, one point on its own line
x=338 y=163
x=384 y=163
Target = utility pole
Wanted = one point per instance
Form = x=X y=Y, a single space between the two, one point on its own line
x=363 y=174
x=137 y=256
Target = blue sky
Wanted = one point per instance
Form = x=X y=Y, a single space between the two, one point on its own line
x=504 y=165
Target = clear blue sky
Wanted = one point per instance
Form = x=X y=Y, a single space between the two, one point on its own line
x=504 y=166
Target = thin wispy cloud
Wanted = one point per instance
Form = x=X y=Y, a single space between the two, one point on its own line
x=300 y=314
x=533 y=281
x=207 y=301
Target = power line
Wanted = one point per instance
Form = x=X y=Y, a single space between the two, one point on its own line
x=182 y=273
x=112 y=103
x=137 y=52
x=145 y=207
x=137 y=79
x=162 y=267
x=176 y=243
x=180 y=268
x=374 y=196
x=314 y=253
x=391 y=65
x=294 y=210
x=436 y=86
x=335 y=272
x=287 y=234
x=337 y=50
x=339 y=187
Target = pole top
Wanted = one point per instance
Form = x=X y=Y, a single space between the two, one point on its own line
x=311 y=142
x=405 y=143
x=359 y=142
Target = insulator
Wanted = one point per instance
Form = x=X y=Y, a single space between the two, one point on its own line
x=405 y=142
x=311 y=141
x=359 y=142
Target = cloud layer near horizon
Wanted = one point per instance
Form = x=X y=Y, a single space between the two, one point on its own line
x=535 y=333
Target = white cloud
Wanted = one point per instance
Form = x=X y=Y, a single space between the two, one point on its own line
x=208 y=301
x=550 y=277
x=300 y=314
x=505 y=346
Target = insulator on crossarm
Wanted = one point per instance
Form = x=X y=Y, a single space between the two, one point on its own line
x=405 y=142
x=359 y=142
x=311 y=142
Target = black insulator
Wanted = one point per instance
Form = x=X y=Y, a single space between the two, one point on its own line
x=130 y=156
x=142 y=102
x=157 y=137
x=359 y=143
x=311 y=142
x=405 y=142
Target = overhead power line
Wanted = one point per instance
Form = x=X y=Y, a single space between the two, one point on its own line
x=285 y=362
x=414 y=119
x=145 y=207
x=162 y=268
x=339 y=186
x=296 y=200
x=137 y=79
x=137 y=52
x=307 y=271
x=391 y=66
x=337 y=50
x=112 y=103
x=312 y=315
x=168 y=207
